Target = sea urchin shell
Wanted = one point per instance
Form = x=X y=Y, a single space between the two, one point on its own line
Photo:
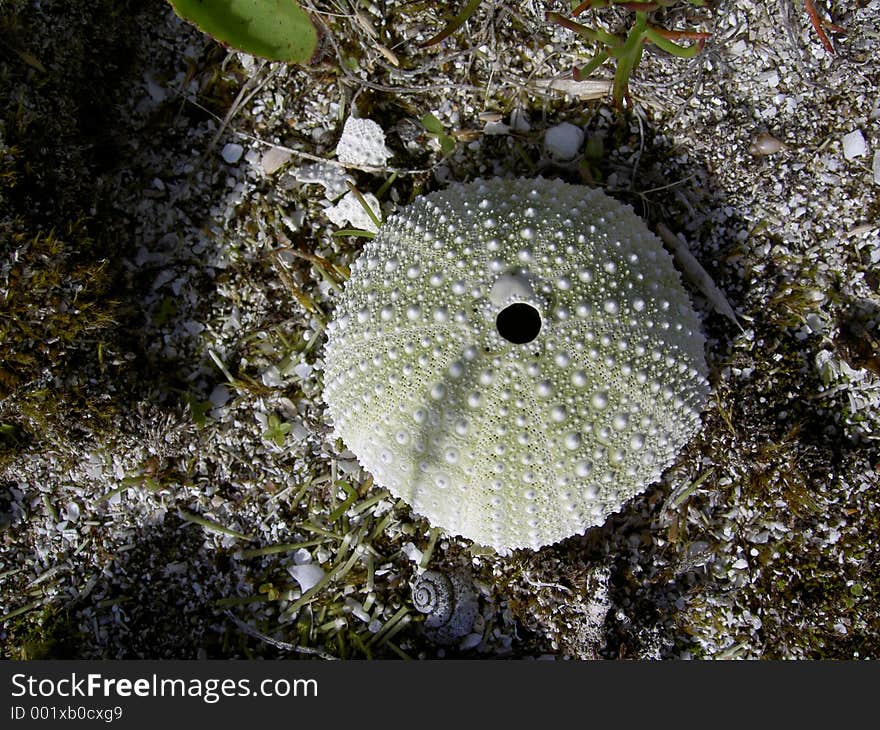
x=515 y=359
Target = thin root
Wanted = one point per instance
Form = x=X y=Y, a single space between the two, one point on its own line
x=818 y=24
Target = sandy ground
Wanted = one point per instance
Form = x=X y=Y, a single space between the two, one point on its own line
x=169 y=483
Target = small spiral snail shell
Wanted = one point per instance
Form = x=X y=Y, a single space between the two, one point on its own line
x=449 y=601
x=434 y=595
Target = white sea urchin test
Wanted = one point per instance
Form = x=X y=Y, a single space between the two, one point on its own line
x=515 y=359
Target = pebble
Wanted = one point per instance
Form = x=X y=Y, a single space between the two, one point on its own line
x=877 y=167
x=232 y=152
x=219 y=396
x=765 y=144
x=563 y=141
x=496 y=128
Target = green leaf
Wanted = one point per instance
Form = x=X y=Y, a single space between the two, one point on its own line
x=198 y=409
x=353 y=232
x=432 y=124
x=278 y=30
x=447 y=144
x=276 y=430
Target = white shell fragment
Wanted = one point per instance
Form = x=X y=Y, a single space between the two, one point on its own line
x=854 y=145
x=273 y=159
x=308 y=575
x=362 y=144
x=515 y=359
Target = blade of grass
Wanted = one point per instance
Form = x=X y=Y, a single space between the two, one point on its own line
x=213 y=526
x=454 y=24
x=280 y=548
x=367 y=209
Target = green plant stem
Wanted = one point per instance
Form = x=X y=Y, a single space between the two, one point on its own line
x=629 y=58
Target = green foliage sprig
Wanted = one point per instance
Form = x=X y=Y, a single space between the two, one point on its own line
x=627 y=49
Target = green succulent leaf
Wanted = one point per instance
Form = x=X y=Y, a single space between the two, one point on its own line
x=279 y=30
x=432 y=124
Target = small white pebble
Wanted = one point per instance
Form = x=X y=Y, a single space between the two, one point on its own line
x=739 y=48
x=877 y=167
x=70 y=512
x=854 y=145
x=495 y=128
x=765 y=144
x=232 y=152
x=563 y=141
x=771 y=78
x=302 y=556
x=271 y=377
x=299 y=431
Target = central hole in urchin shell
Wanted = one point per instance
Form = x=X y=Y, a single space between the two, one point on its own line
x=518 y=323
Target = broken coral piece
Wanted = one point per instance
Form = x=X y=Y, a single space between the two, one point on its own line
x=349 y=210
x=362 y=144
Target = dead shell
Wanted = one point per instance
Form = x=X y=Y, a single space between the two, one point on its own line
x=515 y=359
x=766 y=144
x=449 y=601
x=432 y=594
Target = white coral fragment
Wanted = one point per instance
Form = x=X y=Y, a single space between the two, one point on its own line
x=362 y=144
x=516 y=359
x=349 y=210
x=331 y=177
